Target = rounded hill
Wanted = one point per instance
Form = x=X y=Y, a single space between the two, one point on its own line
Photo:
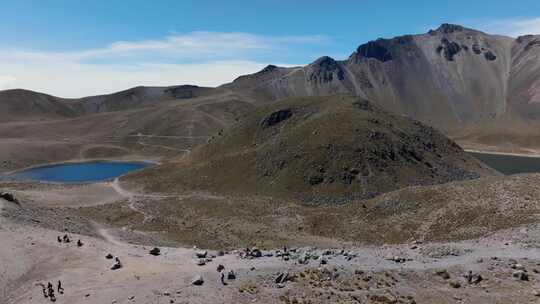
x=318 y=149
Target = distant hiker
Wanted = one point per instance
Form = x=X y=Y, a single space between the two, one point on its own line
x=50 y=292
x=222 y=278
x=117 y=264
x=220 y=268
x=79 y=243
x=60 y=288
x=66 y=238
x=59 y=239
x=43 y=289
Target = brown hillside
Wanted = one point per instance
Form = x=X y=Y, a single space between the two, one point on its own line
x=318 y=149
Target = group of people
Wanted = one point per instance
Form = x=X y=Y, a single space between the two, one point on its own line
x=65 y=239
x=48 y=291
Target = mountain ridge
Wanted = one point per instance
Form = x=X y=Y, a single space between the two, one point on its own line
x=449 y=77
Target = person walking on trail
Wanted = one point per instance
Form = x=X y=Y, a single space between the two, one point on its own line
x=60 y=289
x=50 y=292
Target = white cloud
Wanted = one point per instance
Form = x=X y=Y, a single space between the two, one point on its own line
x=75 y=80
x=512 y=27
x=202 y=58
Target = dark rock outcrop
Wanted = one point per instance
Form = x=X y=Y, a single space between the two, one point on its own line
x=9 y=197
x=375 y=49
x=276 y=117
x=326 y=69
x=447 y=28
x=449 y=49
x=490 y=56
x=155 y=251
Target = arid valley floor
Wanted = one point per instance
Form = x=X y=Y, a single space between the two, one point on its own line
x=336 y=182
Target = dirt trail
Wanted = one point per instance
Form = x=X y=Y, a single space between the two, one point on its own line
x=87 y=277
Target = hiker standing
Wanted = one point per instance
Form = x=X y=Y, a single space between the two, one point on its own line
x=60 y=288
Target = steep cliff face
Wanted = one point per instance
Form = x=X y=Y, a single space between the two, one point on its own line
x=446 y=77
x=524 y=78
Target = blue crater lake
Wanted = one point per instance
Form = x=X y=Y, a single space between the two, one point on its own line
x=85 y=172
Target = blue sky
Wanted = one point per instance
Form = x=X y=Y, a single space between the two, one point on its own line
x=77 y=48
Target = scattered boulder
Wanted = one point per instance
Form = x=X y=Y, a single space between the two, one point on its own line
x=282 y=278
x=201 y=254
x=256 y=252
x=490 y=56
x=476 y=49
x=155 y=251
x=443 y=274
x=517 y=266
x=117 y=264
x=397 y=259
x=454 y=284
x=9 y=197
x=197 y=280
x=383 y=298
x=520 y=275
x=473 y=278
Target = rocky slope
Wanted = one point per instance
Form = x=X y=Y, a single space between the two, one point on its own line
x=446 y=77
x=318 y=149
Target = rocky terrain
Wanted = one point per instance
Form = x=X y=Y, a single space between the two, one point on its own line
x=318 y=150
x=446 y=77
x=328 y=183
x=498 y=267
x=479 y=89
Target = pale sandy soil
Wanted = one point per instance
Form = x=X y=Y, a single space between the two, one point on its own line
x=77 y=195
x=31 y=255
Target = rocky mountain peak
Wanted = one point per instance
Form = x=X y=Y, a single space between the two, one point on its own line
x=448 y=29
x=325 y=69
x=377 y=49
x=268 y=68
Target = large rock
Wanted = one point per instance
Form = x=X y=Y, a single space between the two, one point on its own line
x=201 y=254
x=197 y=280
x=155 y=251
x=520 y=275
x=9 y=197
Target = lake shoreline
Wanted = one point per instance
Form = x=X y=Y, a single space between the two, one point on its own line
x=77 y=161
x=76 y=172
x=501 y=153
